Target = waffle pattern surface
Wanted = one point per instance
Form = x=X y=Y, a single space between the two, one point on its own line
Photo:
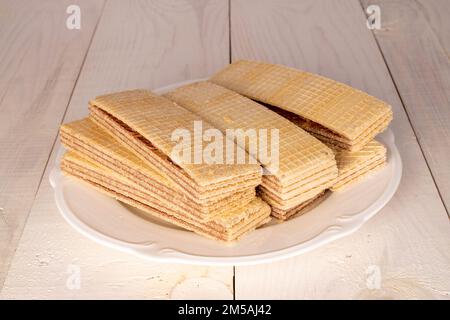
x=151 y=120
x=328 y=108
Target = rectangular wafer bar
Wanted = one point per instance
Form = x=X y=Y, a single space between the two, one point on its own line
x=145 y=123
x=332 y=111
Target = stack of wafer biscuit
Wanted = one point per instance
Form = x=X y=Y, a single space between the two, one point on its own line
x=305 y=166
x=217 y=201
x=353 y=166
x=342 y=117
x=227 y=226
x=91 y=141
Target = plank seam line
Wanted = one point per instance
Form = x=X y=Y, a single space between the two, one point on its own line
x=78 y=76
x=234 y=282
x=229 y=33
x=71 y=94
x=54 y=140
x=407 y=114
x=229 y=61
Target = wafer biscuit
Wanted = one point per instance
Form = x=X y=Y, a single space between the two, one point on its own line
x=299 y=185
x=332 y=111
x=353 y=166
x=330 y=138
x=227 y=227
x=96 y=144
x=285 y=204
x=356 y=177
x=301 y=208
x=170 y=170
x=145 y=123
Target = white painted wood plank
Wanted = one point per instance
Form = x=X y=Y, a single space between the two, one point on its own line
x=415 y=41
x=407 y=242
x=40 y=60
x=137 y=44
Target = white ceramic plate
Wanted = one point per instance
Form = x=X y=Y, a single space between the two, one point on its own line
x=116 y=225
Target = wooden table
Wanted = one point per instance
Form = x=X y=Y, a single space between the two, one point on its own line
x=48 y=73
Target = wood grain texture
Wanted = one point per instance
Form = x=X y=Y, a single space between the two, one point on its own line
x=138 y=44
x=40 y=60
x=415 y=42
x=407 y=242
